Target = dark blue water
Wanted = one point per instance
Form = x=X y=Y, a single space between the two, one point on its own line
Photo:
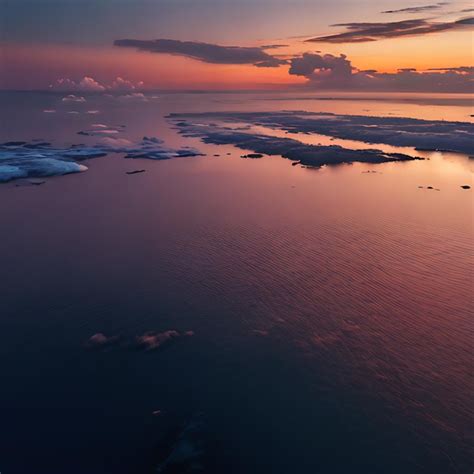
x=330 y=310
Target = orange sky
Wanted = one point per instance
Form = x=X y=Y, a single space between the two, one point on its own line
x=35 y=52
x=165 y=71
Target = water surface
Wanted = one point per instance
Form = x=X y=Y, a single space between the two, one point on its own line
x=331 y=308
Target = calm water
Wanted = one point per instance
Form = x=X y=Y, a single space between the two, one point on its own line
x=331 y=309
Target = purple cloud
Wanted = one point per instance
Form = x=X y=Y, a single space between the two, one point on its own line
x=89 y=84
x=205 y=52
x=365 y=32
x=335 y=72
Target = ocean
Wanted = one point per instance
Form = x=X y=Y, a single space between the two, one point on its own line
x=253 y=316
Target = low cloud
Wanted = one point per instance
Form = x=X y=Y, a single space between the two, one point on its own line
x=85 y=84
x=121 y=84
x=205 y=52
x=327 y=68
x=365 y=32
x=89 y=84
x=335 y=72
x=461 y=69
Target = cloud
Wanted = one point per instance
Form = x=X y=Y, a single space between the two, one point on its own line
x=462 y=69
x=205 y=52
x=89 y=84
x=335 y=72
x=328 y=68
x=419 y=9
x=365 y=32
x=274 y=46
x=121 y=84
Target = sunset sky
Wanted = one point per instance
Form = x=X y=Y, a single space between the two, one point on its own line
x=248 y=44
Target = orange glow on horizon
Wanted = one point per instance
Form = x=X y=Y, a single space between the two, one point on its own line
x=50 y=62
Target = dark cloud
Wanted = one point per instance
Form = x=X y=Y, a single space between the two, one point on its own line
x=335 y=72
x=419 y=9
x=462 y=69
x=364 y=32
x=208 y=53
x=273 y=62
x=274 y=46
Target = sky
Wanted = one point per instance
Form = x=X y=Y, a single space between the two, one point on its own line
x=132 y=45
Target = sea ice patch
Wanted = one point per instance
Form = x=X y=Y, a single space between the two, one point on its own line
x=27 y=160
x=73 y=98
x=20 y=159
x=300 y=153
x=395 y=131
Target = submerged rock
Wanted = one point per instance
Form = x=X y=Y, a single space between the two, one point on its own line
x=153 y=340
x=465 y=186
x=186 y=452
x=101 y=341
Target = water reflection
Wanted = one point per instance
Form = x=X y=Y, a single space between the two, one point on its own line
x=330 y=309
